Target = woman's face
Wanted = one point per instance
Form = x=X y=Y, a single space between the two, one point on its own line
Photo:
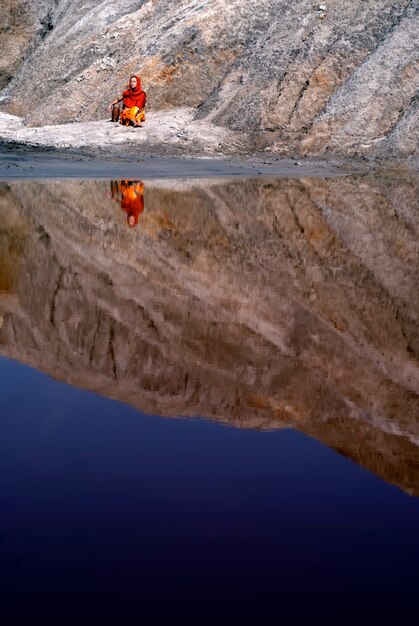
x=133 y=82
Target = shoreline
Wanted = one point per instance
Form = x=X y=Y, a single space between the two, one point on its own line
x=23 y=161
x=169 y=145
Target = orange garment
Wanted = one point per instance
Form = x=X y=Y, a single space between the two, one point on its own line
x=132 y=200
x=132 y=114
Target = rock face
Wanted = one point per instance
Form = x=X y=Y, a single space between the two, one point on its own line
x=23 y=26
x=288 y=77
x=266 y=305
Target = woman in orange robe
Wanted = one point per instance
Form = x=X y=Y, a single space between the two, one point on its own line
x=134 y=99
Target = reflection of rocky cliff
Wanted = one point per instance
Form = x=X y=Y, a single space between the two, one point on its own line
x=269 y=304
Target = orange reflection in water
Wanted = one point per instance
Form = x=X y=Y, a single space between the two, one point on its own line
x=130 y=194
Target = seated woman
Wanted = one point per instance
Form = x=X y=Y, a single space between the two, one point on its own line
x=134 y=99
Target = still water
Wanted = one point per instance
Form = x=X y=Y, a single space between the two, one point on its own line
x=281 y=318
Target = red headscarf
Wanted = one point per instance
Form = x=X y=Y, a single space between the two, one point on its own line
x=134 y=97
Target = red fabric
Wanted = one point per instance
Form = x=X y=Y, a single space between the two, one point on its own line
x=132 y=200
x=134 y=97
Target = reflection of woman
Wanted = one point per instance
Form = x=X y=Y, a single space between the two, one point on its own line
x=131 y=195
x=133 y=99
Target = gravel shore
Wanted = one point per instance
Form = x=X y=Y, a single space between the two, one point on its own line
x=169 y=145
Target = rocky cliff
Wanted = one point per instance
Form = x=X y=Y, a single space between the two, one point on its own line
x=288 y=77
x=263 y=304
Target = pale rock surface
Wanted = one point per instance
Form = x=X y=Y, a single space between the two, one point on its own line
x=165 y=131
x=287 y=77
x=23 y=26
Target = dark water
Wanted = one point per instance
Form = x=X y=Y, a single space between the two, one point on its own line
x=283 y=316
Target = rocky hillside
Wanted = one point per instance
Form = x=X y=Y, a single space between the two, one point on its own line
x=290 y=77
x=271 y=304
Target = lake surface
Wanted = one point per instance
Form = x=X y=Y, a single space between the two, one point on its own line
x=275 y=322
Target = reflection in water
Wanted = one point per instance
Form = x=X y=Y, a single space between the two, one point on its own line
x=130 y=193
x=263 y=304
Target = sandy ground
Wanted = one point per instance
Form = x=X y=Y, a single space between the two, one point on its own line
x=166 y=131
x=169 y=144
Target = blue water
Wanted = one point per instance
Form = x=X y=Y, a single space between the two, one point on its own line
x=111 y=516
